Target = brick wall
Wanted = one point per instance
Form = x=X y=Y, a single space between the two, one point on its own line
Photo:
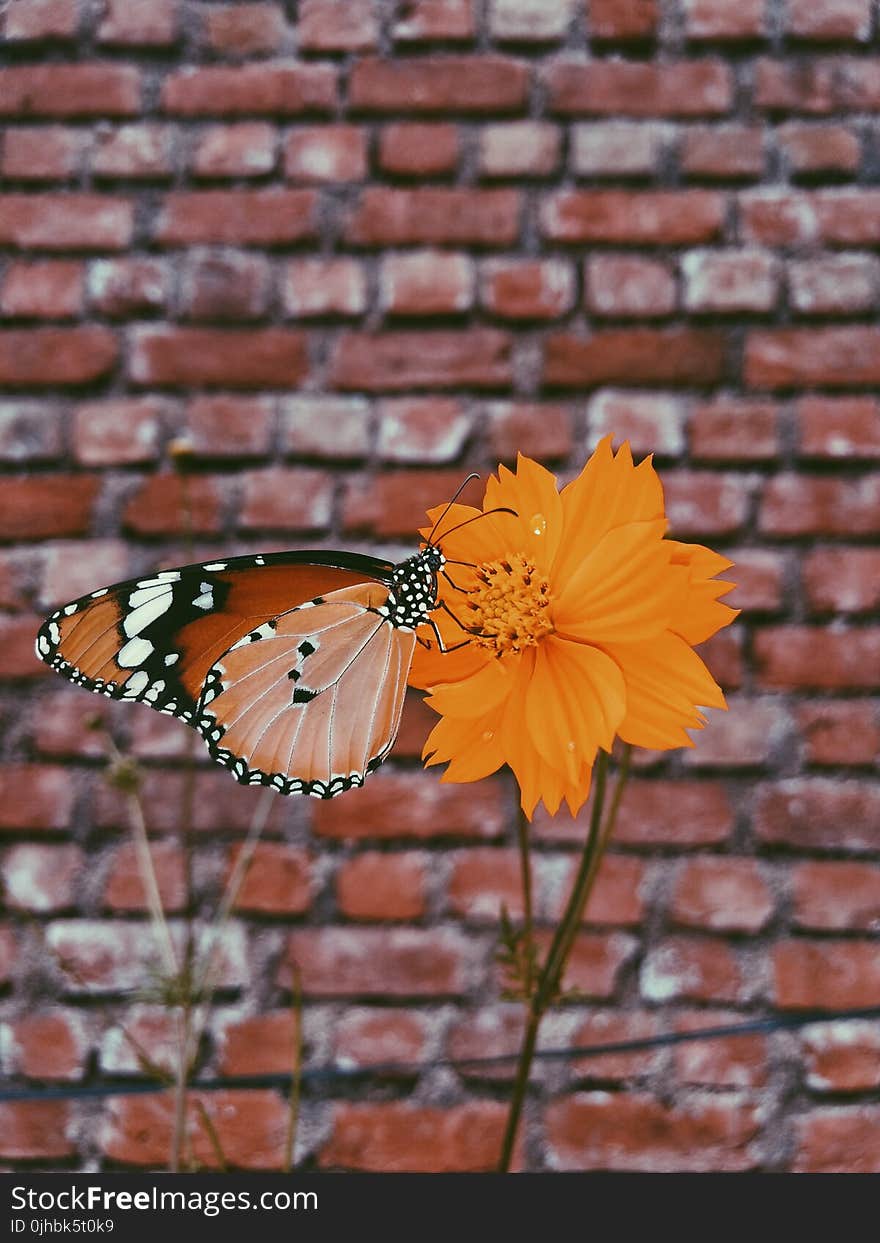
x=352 y=250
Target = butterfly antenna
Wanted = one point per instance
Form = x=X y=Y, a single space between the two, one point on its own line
x=461 y=487
x=501 y=509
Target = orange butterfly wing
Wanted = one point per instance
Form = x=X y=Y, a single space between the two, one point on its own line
x=310 y=702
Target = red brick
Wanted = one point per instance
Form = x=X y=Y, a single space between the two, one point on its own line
x=35 y=1130
x=391 y=217
x=120 y=432
x=798 y=657
x=618 y=895
x=133 y=151
x=796 y=85
x=836 y=897
x=724 y=152
x=839 y=731
x=50 y=290
x=843 y=428
x=596 y=962
x=410 y=149
x=47 y=506
x=528 y=288
x=240 y=30
x=819 y=148
x=396 y=361
x=834 y=284
x=74 y=567
x=845 y=580
x=422 y=429
x=721 y=895
x=630 y=287
x=396 y=1137
x=856 y=82
x=250 y=1128
x=484 y=881
x=638 y=89
x=49 y=1046
x=719 y=20
x=622 y=20
x=35 y=796
x=285 y=499
x=243 y=217
x=818 y=814
x=260 y=1045
x=651 y=422
x=40 y=19
x=519 y=149
x=760 y=586
x=735 y=430
x=29 y=431
x=83 y=90
x=426 y=282
x=119 y=288
x=650 y=218
x=220 y=805
x=337 y=25
x=169 y=356
x=273 y=88
x=838 y=1141
x=41 y=878
x=635 y=1132
x=245 y=149
x=325 y=427
x=813 y=357
x=365 y=1037
x=530 y=20
x=7 y=954
x=827 y=20
x=413 y=806
x=801 y=505
x=692 y=969
x=536 y=429
x=738 y=1062
x=236 y=427
x=425 y=20
x=326 y=153
x=681 y=814
x=730 y=281
x=277 y=882
x=610 y=1027
x=44 y=153
x=826 y=975
x=782 y=217
x=159 y=506
x=842 y=1056
x=317 y=287
x=489 y=1033
x=376 y=885
x=124 y=888
x=140 y=1027
x=17 y=659
x=61 y=726
x=617 y=148
x=747 y=736
x=675 y=356
x=65 y=222
x=226 y=285
x=129 y=23
x=472 y=84
x=379 y=962
x=394 y=504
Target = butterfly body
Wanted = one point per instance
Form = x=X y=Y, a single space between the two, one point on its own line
x=292 y=666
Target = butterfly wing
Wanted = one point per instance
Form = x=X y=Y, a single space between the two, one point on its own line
x=310 y=702
x=154 y=639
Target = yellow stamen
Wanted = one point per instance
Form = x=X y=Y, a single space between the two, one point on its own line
x=510 y=605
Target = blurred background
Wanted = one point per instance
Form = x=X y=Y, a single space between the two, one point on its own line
x=351 y=250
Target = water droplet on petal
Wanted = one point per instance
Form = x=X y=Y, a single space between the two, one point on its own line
x=488 y=735
x=538 y=524
x=570 y=745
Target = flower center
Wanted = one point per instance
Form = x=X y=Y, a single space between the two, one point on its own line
x=510 y=605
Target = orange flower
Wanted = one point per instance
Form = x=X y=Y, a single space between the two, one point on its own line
x=573 y=622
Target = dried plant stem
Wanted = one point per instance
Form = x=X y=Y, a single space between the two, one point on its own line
x=296 y=1060
x=213 y=1137
x=550 y=975
x=181 y=1086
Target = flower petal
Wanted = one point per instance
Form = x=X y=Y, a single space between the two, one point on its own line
x=471 y=748
x=666 y=683
x=574 y=703
x=699 y=614
x=532 y=492
x=431 y=667
x=479 y=693
x=480 y=540
x=608 y=492
x=625 y=590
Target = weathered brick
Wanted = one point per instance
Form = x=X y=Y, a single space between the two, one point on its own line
x=316 y=287
x=396 y=1137
x=722 y=895
x=363 y=1036
x=245 y=149
x=472 y=84
x=74 y=567
x=839 y=731
x=133 y=152
x=413 y=149
x=391 y=217
x=48 y=290
x=326 y=427
x=826 y=975
x=528 y=288
x=283 y=498
x=168 y=357
x=813 y=357
x=243 y=217
x=394 y=361
x=337 y=25
x=129 y=23
x=119 y=288
x=681 y=814
x=278 y=880
x=27 y=20
x=124 y=888
x=376 y=885
x=842 y=1056
x=413 y=806
x=651 y=422
x=161 y=507
x=263 y=1044
x=649 y=218
x=50 y=1045
x=800 y=657
x=818 y=814
x=519 y=149
x=225 y=285
x=35 y=796
x=40 y=878
x=730 y=281
x=425 y=20
x=326 y=153
x=844 y=580
x=240 y=30
x=274 y=88
x=530 y=20
x=43 y=153
x=65 y=222
x=836 y=897
x=638 y=89
x=393 y=962
x=616 y=148
x=32 y=1130
x=826 y=20
x=734 y=152
x=536 y=429
x=734 y=429
x=819 y=148
x=58 y=90
x=834 y=284
x=623 y=20
x=117 y=432
x=676 y=356
x=629 y=287
x=837 y=1141
x=422 y=429
x=426 y=282
x=803 y=505
x=718 y=20
x=47 y=506
x=30 y=431
x=692 y=969
x=738 y=1062
x=237 y=427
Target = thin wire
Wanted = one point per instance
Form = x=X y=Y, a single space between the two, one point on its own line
x=784 y=1022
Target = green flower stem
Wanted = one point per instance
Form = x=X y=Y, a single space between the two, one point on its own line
x=525 y=867
x=598 y=837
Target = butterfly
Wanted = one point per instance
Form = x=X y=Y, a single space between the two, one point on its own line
x=292 y=666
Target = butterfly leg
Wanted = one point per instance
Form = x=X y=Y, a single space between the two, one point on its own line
x=440 y=642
